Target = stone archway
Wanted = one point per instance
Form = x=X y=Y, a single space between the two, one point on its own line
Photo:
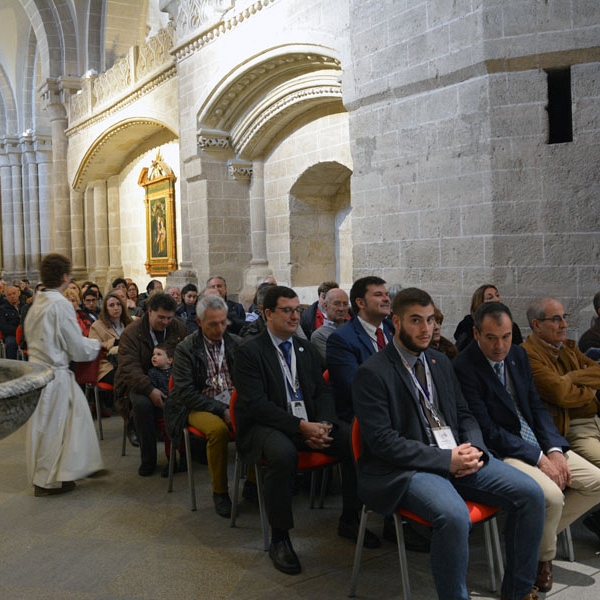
x=320 y=240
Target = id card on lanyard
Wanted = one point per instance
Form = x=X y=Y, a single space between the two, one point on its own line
x=294 y=393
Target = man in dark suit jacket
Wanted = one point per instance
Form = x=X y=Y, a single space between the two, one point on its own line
x=423 y=450
x=498 y=385
x=235 y=311
x=364 y=335
x=284 y=406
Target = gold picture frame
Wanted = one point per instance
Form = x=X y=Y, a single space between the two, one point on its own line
x=161 y=247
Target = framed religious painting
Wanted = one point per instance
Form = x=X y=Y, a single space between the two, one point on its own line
x=158 y=182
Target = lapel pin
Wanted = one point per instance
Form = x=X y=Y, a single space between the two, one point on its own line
x=301 y=349
x=433 y=361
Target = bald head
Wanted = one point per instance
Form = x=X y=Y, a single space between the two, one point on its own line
x=336 y=305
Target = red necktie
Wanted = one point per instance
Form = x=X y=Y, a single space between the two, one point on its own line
x=380 y=339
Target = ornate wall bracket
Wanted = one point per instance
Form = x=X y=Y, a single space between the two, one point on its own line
x=240 y=170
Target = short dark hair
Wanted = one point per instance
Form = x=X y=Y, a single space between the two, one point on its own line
x=188 y=287
x=151 y=285
x=161 y=300
x=408 y=297
x=325 y=286
x=273 y=293
x=490 y=309
x=360 y=287
x=90 y=292
x=216 y=277
x=52 y=269
x=168 y=349
x=117 y=281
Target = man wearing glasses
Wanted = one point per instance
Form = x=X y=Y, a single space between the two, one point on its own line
x=284 y=406
x=567 y=380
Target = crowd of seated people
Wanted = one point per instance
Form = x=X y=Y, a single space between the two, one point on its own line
x=285 y=406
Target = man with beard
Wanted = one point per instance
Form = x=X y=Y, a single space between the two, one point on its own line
x=423 y=450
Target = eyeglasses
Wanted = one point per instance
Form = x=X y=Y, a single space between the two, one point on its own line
x=288 y=310
x=556 y=318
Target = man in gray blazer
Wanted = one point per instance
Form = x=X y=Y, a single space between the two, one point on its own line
x=423 y=450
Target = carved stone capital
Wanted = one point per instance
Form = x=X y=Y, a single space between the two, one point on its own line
x=211 y=140
x=240 y=170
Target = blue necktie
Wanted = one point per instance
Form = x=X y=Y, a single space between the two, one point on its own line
x=285 y=348
x=526 y=431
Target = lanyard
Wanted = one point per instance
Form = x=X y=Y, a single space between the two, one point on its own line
x=154 y=339
x=425 y=395
x=217 y=379
x=291 y=377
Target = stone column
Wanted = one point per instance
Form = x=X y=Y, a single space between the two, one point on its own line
x=30 y=203
x=43 y=155
x=101 y=232
x=115 y=268
x=7 y=217
x=90 y=233
x=18 y=245
x=77 y=234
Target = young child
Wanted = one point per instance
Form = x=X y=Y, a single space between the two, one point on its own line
x=159 y=374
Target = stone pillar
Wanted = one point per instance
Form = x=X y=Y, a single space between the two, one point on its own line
x=43 y=155
x=115 y=267
x=90 y=233
x=7 y=216
x=77 y=234
x=101 y=232
x=18 y=246
x=30 y=203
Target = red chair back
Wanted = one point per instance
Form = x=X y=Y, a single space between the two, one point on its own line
x=326 y=376
x=171 y=383
x=232 y=402
x=356 y=441
x=19 y=334
x=87 y=372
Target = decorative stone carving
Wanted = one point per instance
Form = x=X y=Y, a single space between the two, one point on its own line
x=155 y=52
x=241 y=170
x=113 y=82
x=212 y=139
x=194 y=15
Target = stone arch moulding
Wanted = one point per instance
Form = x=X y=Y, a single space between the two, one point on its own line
x=117 y=146
x=260 y=98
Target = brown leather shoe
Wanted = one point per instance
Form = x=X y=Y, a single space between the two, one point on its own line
x=544 y=576
x=531 y=596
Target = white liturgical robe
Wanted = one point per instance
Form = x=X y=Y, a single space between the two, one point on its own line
x=61 y=442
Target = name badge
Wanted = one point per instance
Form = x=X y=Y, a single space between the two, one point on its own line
x=299 y=410
x=444 y=438
x=224 y=397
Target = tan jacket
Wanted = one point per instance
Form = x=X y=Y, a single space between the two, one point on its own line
x=107 y=336
x=565 y=378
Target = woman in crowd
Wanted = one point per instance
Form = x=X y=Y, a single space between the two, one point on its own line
x=82 y=320
x=113 y=318
x=438 y=341
x=187 y=309
x=464 y=331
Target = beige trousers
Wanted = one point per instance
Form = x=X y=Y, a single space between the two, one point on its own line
x=563 y=508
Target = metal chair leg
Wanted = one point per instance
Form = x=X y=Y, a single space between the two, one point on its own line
x=98 y=412
x=124 y=442
x=174 y=444
x=188 y=456
x=261 y=506
x=364 y=515
x=237 y=475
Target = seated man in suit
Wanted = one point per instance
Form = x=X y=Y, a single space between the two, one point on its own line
x=497 y=383
x=364 y=335
x=423 y=450
x=284 y=406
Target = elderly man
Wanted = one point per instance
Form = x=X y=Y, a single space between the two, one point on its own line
x=10 y=318
x=423 y=450
x=235 y=311
x=567 y=381
x=284 y=406
x=176 y=293
x=314 y=316
x=157 y=326
x=497 y=383
x=336 y=307
x=203 y=382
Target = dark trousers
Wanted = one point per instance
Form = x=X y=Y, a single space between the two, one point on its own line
x=145 y=415
x=281 y=455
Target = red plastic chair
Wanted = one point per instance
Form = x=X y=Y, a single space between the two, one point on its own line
x=307 y=461
x=86 y=373
x=21 y=351
x=477 y=513
x=187 y=431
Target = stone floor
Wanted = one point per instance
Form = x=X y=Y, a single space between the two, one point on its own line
x=124 y=537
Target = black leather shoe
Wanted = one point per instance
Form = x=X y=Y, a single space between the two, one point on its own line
x=222 y=504
x=284 y=558
x=146 y=470
x=132 y=435
x=349 y=530
x=413 y=540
